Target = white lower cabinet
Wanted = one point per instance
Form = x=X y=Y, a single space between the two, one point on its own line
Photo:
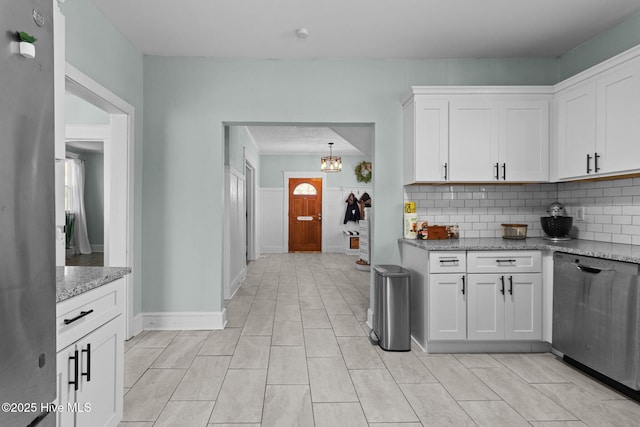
x=91 y=367
x=505 y=307
x=447 y=307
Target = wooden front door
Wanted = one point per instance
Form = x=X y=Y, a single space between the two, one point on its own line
x=305 y=214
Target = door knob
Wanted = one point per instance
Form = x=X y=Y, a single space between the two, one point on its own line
x=319 y=217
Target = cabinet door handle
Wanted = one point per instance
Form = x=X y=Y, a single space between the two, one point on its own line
x=88 y=353
x=497 y=166
x=588 y=163
x=462 y=285
x=75 y=381
x=502 y=288
x=78 y=317
x=510 y=285
x=595 y=159
x=504 y=171
x=445 y=171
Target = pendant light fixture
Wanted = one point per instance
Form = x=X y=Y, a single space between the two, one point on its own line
x=331 y=163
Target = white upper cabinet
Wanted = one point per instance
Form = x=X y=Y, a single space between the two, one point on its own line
x=524 y=141
x=598 y=126
x=477 y=134
x=426 y=140
x=473 y=142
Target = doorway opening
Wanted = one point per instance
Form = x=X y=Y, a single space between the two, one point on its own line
x=118 y=176
x=276 y=153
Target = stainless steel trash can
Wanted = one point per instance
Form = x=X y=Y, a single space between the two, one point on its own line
x=392 y=316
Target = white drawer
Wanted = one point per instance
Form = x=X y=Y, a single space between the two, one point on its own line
x=504 y=262
x=87 y=312
x=447 y=262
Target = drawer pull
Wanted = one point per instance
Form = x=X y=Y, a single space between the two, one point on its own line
x=78 y=317
x=505 y=260
x=442 y=261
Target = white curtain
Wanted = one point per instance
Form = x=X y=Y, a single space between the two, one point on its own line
x=76 y=205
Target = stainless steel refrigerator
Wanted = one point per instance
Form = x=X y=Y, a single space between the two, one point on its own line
x=27 y=251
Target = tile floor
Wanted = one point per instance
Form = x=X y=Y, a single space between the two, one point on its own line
x=295 y=353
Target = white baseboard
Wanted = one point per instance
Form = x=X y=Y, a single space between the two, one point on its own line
x=97 y=248
x=136 y=326
x=230 y=291
x=185 y=320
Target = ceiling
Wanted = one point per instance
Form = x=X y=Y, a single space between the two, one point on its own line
x=414 y=29
x=313 y=140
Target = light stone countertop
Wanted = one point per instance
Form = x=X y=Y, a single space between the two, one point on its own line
x=73 y=281
x=612 y=251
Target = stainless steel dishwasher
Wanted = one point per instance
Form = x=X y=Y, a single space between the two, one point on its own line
x=596 y=316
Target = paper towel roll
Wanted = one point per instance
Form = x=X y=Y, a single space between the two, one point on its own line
x=410 y=225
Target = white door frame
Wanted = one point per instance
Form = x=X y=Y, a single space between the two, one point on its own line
x=313 y=174
x=250 y=205
x=118 y=180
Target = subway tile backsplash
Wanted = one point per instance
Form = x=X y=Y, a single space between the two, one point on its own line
x=612 y=207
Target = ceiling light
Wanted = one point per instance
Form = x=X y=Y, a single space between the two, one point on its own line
x=331 y=163
x=302 y=33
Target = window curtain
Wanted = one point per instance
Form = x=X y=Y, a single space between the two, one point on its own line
x=76 y=205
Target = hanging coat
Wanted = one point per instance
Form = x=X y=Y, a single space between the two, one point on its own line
x=353 y=210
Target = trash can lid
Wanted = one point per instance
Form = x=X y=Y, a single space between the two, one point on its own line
x=391 y=271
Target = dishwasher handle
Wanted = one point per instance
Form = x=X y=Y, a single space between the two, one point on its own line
x=588 y=269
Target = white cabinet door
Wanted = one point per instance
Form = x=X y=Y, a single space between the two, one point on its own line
x=524 y=141
x=66 y=394
x=473 y=140
x=486 y=307
x=426 y=140
x=576 y=131
x=618 y=130
x=101 y=372
x=447 y=307
x=523 y=307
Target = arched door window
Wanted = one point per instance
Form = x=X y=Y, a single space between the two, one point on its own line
x=305 y=189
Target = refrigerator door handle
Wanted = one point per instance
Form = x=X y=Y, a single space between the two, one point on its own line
x=88 y=353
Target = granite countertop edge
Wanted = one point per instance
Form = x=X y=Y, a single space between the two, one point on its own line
x=612 y=251
x=74 y=281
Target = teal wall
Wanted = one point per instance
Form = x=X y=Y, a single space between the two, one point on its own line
x=273 y=166
x=187 y=100
x=77 y=111
x=238 y=139
x=98 y=50
x=604 y=46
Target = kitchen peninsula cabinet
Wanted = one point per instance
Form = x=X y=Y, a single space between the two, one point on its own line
x=90 y=360
x=598 y=127
x=477 y=134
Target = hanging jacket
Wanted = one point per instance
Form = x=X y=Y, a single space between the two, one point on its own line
x=353 y=210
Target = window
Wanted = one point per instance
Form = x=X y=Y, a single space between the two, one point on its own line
x=305 y=189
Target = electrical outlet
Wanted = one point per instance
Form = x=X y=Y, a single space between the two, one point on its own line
x=580 y=213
